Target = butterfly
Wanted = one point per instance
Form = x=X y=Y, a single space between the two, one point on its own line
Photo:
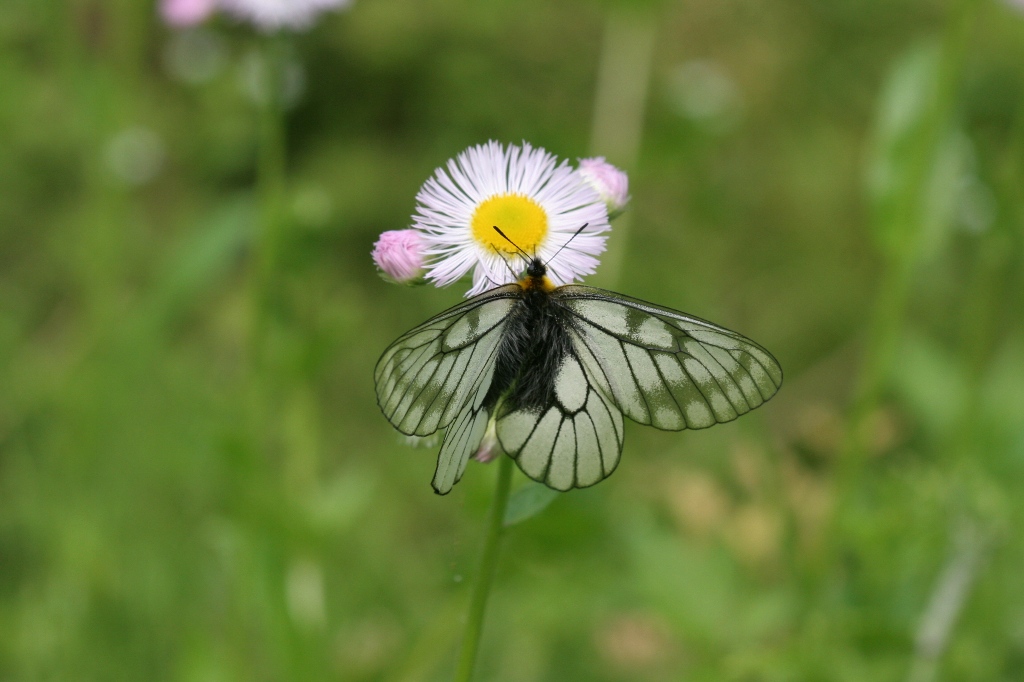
x=557 y=369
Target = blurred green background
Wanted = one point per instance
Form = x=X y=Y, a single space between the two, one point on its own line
x=841 y=180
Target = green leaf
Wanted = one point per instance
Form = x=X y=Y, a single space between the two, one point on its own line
x=202 y=259
x=933 y=382
x=528 y=501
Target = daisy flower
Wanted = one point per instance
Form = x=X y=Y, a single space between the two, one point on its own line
x=186 y=13
x=273 y=15
x=537 y=202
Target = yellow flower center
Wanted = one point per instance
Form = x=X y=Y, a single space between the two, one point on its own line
x=519 y=217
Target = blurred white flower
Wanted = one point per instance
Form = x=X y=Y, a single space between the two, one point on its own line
x=978 y=206
x=304 y=590
x=539 y=203
x=610 y=182
x=431 y=442
x=195 y=56
x=274 y=15
x=185 y=13
x=257 y=79
x=703 y=91
x=135 y=156
x=399 y=255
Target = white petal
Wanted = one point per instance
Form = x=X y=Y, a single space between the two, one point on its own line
x=447 y=201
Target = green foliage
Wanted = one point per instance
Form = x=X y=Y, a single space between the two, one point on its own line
x=181 y=502
x=527 y=501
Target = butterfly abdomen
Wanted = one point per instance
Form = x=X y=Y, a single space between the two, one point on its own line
x=534 y=344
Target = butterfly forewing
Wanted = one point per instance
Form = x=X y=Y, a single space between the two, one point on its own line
x=665 y=368
x=426 y=377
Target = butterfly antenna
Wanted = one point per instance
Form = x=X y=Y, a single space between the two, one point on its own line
x=568 y=241
x=525 y=255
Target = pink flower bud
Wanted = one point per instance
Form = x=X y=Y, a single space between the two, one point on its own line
x=185 y=13
x=399 y=255
x=489 y=449
x=610 y=182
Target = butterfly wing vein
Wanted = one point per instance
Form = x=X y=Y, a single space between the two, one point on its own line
x=426 y=378
x=576 y=439
x=655 y=365
x=665 y=368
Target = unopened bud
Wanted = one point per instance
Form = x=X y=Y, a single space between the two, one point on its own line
x=610 y=182
x=399 y=256
x=489 y=448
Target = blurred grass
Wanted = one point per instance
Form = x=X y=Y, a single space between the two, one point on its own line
x=148 y=532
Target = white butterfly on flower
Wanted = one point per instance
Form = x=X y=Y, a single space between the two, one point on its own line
x=546 y=367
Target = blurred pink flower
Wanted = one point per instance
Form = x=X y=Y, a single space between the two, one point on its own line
x=610 y=182
x=185 y=13
x=273 y=15
x=399 y=255
x=489 y=449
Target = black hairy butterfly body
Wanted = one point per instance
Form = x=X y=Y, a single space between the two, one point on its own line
x=533 y=347
x=556 y=368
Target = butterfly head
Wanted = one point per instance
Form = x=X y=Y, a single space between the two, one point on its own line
x=536 y=268
x=536 y=278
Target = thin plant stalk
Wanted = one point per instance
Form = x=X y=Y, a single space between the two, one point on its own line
x=270 y=192
x=271 y=173
x=295 y=426
x=620 y=102
x=485 y=576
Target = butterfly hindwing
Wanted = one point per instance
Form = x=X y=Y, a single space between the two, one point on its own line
x=574 y=440
x=663 y=367
x=461 y=440
x=429 y=375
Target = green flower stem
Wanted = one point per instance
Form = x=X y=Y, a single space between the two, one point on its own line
x=619 y=106
x=265 y=277
x=271 y=186
x=286 y=408
x=488 y=564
